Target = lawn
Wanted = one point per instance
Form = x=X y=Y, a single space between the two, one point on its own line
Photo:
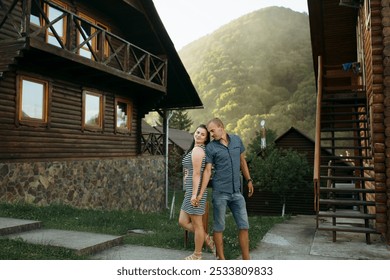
x=165 y=232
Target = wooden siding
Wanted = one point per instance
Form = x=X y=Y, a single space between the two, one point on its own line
x=63 y=138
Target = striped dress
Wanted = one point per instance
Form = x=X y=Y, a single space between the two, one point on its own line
x=188 y=170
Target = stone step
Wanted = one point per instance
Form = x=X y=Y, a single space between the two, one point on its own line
x=11 y=225
x=83 y=243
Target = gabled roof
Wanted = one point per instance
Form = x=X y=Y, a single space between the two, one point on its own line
x=310 y=142
x=181 y=91
x=294 y=130
x=147 y=128
x=181 y=138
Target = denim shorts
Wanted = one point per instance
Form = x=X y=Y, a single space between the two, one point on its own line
x=237 y=206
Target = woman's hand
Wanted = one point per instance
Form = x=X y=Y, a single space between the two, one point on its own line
x=194 y=201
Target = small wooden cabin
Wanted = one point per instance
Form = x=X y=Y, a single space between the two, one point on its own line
x=301 y=203
x=76 y=80
x=350 y=44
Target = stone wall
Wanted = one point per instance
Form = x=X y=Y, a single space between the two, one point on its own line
x=134 y=183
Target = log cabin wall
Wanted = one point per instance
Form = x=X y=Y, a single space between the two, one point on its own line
x=372 y=26
x=384 y=45
x=63 y=138
x=61 y=163
x=64 y=162
x=369 y=24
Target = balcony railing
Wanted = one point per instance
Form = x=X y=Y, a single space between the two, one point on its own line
x=91 y=40
x=152 y=143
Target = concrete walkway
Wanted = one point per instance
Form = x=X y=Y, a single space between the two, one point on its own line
x=295 y=239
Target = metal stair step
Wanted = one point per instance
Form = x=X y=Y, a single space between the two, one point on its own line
x=347 y=229
x=343 y=214
x=342 y=178
x=346 y=147
x=345 y=158
x=343 y=138
x=346 y=202
x=346 y=190
x=343 y=88
x=330 y=121
x=344 y=129
x=329 y=113
x=352 y=167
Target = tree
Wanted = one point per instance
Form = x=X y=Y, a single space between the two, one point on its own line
x=280 y=171
x=179 y=120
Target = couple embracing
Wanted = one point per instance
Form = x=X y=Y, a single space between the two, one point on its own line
x=226 y=154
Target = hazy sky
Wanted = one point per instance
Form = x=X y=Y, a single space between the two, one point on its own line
x=188 y=20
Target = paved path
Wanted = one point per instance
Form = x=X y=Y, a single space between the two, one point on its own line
x=295 y=239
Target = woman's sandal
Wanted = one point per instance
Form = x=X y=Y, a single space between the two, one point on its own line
x=194 y=257
x=210 y=243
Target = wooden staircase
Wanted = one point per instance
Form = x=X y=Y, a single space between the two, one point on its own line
x=344 y=190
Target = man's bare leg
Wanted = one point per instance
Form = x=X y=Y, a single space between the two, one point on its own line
x=243 y=237
x=218 y=240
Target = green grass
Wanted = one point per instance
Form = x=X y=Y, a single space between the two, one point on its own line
x=166 y=232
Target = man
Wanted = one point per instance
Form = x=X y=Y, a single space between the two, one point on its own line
x=226 y=154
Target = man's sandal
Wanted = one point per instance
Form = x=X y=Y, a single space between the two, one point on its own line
x=210 y=243
x=194 y=257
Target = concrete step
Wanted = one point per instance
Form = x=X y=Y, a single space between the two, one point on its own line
x=10 y=225
x=83 y=243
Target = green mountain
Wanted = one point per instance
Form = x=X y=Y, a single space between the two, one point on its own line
x=258 y=66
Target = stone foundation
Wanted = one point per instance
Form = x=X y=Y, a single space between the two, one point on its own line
x=109 y=184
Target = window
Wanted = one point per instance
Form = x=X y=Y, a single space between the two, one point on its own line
x=59 y=26
x=35 y=17
x=123 y=115
x=91 y=33
x=32 y=100
x=92 y=110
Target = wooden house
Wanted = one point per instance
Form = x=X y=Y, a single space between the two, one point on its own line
x=266 y=202
x=76 y=80
x=350 y=44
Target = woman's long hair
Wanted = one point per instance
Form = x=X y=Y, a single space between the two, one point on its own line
x=193 y=140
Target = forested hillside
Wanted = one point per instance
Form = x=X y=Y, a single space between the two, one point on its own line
x=256 y=67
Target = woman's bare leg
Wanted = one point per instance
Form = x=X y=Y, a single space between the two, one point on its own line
x=199 y=233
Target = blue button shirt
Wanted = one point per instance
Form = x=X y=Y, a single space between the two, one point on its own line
x=226 y=162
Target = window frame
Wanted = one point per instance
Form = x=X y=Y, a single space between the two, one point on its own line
x=31 y=121
x=85 y=125
x=129 y=112
x=94 y=42
x=48 y=33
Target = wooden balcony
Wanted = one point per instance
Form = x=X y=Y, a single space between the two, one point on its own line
x=77 y=43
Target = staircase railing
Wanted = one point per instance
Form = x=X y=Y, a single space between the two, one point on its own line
x=317 y=148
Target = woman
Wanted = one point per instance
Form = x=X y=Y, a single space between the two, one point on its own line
x=192 y=209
